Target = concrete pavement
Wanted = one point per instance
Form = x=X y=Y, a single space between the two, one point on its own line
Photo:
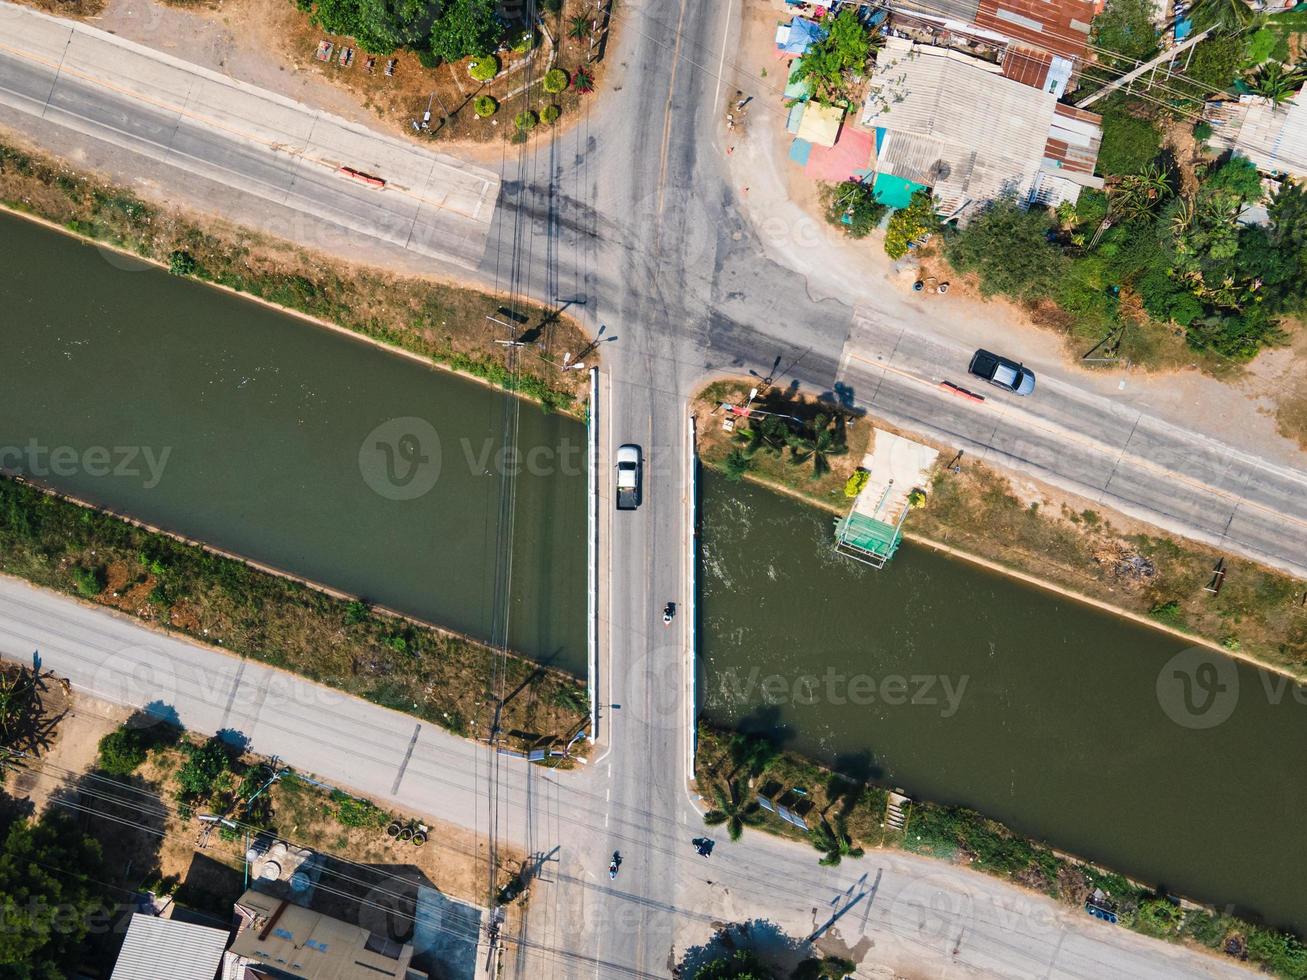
x=899 y=914
x=203 y=124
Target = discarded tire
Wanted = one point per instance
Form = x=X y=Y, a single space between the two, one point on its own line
x=394 y=829
x=419 y=839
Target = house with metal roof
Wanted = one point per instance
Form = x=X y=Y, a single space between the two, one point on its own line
x=958 y=125
x=1039 y=43
x=1273 y=136
x=277 y=939
x=155 y=947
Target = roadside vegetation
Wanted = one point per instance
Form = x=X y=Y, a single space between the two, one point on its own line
x=1055 y=538
x=846 y=813
x=443 y=678
x=446 y=324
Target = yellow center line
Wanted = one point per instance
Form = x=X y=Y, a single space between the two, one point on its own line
x=273 y=145
x=1033 y=422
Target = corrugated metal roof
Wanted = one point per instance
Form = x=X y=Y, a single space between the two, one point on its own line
x=983 y=134
x=1273 y=137
x=154 y=948
x=1059 y=26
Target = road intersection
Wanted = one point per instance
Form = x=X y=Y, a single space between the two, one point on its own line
x=630 y=213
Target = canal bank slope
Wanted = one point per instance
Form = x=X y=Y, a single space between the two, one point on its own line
x=1048 y=538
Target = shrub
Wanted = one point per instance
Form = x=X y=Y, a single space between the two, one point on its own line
x=584 y=81
x=1009 y=250
x=852 y=206
x=122 y=751
x=353 y=812
x=555 y=81
x=525 y=42
x=1202 y=131
x=201 y=771
x=182 y=263
x=525 y=121
x=483 y=68
x=550 y=114
x=1129 y=143
x=485 y=106
x=89 y=581
x=917 y=498
x=853 y=486
x=909 y=224
x=736 y=465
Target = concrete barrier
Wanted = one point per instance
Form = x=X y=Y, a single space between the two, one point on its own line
x=692 y=595
x=592 y=558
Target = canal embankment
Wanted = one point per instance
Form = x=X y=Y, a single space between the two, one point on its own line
x=437 y=321
x=1046 y=537
x=1130 y=747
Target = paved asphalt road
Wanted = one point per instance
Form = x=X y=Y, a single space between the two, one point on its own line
x=630 y=213
x=203 y=124
x=902 y=915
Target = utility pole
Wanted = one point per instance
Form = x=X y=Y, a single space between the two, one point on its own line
x=1147 y=66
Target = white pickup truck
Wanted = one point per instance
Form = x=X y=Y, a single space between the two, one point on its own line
x=629 y=477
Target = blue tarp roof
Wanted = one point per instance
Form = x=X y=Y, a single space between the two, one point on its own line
x=802 y=35
x=799 y=151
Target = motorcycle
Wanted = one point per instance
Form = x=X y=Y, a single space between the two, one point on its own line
x=614 y=864
x=669 y=611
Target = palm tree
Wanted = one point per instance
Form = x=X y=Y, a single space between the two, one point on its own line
x=818 y=443
x=1230 y=16
x=766 y=433
x=834 y=841
x=1278 y=82
x=1138 y=195
x=751 y=754
x=733 y=809
x=578 y=27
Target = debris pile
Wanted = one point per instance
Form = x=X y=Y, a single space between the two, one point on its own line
x=1126 y=564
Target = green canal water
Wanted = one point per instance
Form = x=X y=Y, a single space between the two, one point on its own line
x=287 y=443
x=964 y=686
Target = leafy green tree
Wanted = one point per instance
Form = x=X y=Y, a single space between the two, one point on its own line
x=122 y=751
x=845 y=48
x=1008 y=249
x=379 y=26
x=48 y=897
x=1125 y=28
x=550 y=113
x=834 y=842
x=1130 y=143
x=1218 y=60
x=910 y=224
x=734 y=809
x=742 y=964
x=200 y=771
x=465 y=27
x=852 y=206
x=485 y=106
x=824 y=968
x=819 y=441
